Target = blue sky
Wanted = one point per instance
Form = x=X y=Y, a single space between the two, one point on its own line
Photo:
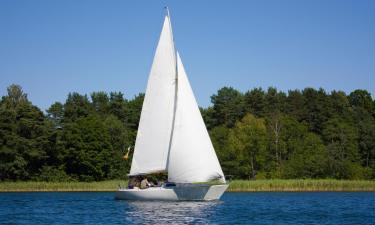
x=52 y=48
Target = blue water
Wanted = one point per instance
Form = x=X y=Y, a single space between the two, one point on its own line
x=234 y=208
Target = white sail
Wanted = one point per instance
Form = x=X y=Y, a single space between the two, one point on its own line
x=192 y=157
x=154 y=131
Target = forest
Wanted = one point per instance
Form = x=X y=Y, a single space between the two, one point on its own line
x=257 y=134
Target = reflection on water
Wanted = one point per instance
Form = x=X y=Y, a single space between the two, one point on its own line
x=170 y=212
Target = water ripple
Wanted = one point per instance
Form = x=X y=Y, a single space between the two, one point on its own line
x=235 y=208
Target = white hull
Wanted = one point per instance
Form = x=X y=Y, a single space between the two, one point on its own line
x=181 y=192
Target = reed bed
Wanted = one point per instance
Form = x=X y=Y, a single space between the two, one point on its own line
x=31 y=186
x=235 y=185
x=301 y=185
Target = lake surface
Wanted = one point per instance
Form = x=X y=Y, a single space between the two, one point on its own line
x=234 y=208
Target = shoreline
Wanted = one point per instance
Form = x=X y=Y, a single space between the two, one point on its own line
x=275 y=185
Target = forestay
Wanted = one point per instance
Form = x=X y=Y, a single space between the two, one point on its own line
x=153 y=137
x=192 y=157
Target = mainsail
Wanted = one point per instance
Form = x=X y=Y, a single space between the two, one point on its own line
x=154 y=130
x=172 y=136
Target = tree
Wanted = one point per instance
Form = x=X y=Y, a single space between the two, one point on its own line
x=295 y=104
x=208 y=117
x=56 y=113
x=274 y=127
x=100 y=102
x=254 y=102
x=310 y=160
x=117 y=105
x=15 y=97
x=284 y=134
x=316 y=110
x=219 y=137
x=367 y=142
x=362 y=98
x=77 y=106
x=88 y=147
x=248 y=142
x=227 y=106
x=274 y=101
x=341 y=141
x=120 y=140
x=340 y=106
x=23 y=136
x=133 y=111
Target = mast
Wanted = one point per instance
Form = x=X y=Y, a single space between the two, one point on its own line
x=176 y=86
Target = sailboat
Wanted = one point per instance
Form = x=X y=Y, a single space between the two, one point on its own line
x=172 y=137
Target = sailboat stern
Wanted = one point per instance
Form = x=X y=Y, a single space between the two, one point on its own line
x=199 y=192
x=215 y=192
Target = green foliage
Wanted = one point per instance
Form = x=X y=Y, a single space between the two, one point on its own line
x=119 y=137
x=316 y=109
x=310 y=134
x=367 y=142
x=23 y=137
x=88 y=149
x=275 y=101
x=342 y=146
x=219 y=136
x=78 y=140
x=260 y=134
x=255 y=102
x=362 y=99
x=53 y=174
x=56 y=113
x=310 y=160
x=228 y=106
x=247 y=142
x=100 y=102
x=77 y=106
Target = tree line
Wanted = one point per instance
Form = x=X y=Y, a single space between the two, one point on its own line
x=258 y=134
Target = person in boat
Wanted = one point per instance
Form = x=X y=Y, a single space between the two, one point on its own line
x=134 y=182
x=145 y=184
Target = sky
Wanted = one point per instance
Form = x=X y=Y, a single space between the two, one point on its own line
x=54 y=47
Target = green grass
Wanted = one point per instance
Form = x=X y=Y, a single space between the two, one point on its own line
x=235 y=185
